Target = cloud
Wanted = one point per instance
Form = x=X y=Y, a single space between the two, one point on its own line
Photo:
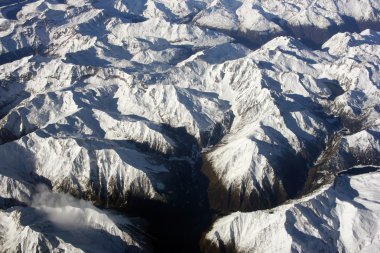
x=67 y=211
x=83 y=225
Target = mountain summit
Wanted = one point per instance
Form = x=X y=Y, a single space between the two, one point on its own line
x=187 y=126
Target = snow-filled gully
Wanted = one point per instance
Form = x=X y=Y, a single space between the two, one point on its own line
x=202 y=123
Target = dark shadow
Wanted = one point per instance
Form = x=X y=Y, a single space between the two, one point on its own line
x=334 y=86
x=98 y=29
x=12 y=93
x=85 y=115
x=295 y=55
x=6 y=203
x=217 y=131
x=311 y=36
x=266 y=65
x=166 y=10
x=344 y=191
x=359 y=170
x=10 y=8
x=86 y=58
x=185 y=189
x=311 y=242
x=136 y=8
x=19 y=163
x=341 y=191
x=222 y=53
x=17 y=55
x=134 y=15
x=299 y=103
x=85 y=238
x=291 y=168
x=176 y=226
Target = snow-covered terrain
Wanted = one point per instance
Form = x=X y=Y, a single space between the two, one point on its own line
x=290 y=106
x=341 y=217
x=258 y=21
x=124 y=103
x=57 y=222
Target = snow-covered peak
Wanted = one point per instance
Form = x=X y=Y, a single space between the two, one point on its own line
x=125 y=103
x=57 y=222
x=314 y=21
x=341 y=217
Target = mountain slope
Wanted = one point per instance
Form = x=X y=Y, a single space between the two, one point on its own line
x=286 y=115
x=59 y=223
x=343 y=217
x=258 y=21
x=174 y=110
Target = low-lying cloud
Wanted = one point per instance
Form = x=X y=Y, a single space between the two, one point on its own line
x=67 y=211
x=83 y=225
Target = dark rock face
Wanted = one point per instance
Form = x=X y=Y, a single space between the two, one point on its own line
x=127 y=104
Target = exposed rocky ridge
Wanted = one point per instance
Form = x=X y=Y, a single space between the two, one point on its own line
x=59 y=223
x=297 y=110
x=342 y=217
x=257 y=21
x=117 y=101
